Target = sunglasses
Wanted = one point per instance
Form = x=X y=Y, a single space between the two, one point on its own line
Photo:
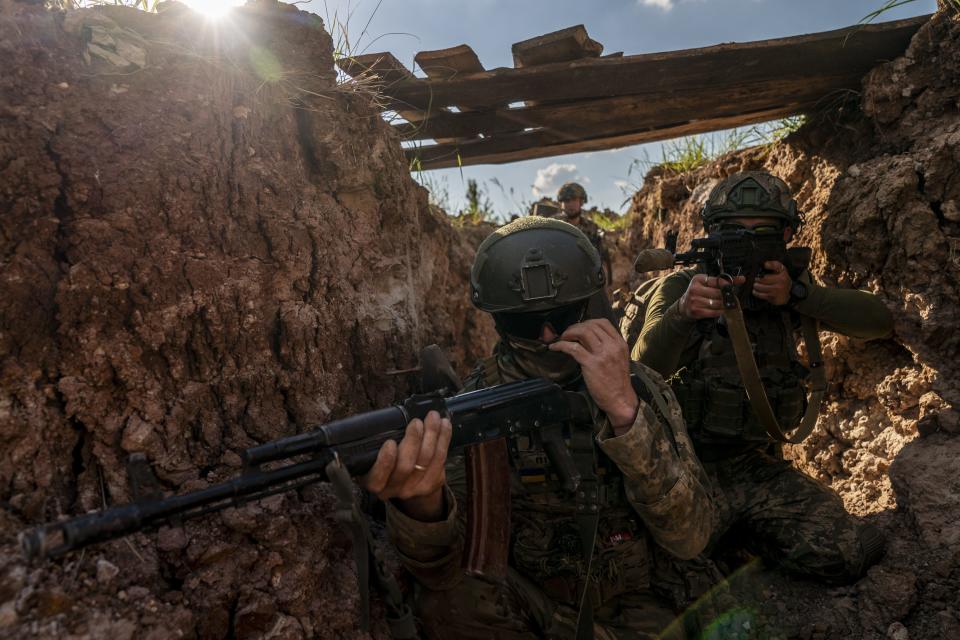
x=529 y=325
x=760 y=228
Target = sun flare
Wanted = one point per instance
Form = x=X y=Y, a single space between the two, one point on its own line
x=212 y=9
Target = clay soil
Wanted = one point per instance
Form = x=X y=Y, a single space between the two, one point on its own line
x=205 y=243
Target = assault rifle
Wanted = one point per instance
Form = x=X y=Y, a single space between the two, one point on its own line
x=512 y=409
x=482 y=421
x=731 y=252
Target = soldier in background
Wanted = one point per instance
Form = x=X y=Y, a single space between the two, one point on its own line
x=572 y=197
x=763 y=501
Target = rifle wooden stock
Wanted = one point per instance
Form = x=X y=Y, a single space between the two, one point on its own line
x=487 y=545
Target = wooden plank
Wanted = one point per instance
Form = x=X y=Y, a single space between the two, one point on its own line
x=588 y=117
x=564 y=45
x=711 y=69
x=383 y=65
x=540 y=144
x=445 y=64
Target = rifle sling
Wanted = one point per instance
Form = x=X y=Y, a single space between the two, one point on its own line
x=750 y=374
x=587 y=518
x=399 y=616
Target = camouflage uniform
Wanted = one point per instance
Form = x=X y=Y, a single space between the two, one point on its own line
x=595 y=235
x=762 y=501
x=655 y=495
x=589 y=228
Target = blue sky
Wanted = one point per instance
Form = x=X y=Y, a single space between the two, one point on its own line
x=490 y=27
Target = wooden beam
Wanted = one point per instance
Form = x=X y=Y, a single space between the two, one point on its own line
x=541 y=144
x=567 y=44
x=587 y=118
x=445 y=64
x=712 y=69
x=382 y=65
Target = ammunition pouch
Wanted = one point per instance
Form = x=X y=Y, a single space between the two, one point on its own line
x=717 y=409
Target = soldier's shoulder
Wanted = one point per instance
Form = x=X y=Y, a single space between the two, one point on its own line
x=474 y=379
x=677 y=282
x=485 y=374
x=685 y=275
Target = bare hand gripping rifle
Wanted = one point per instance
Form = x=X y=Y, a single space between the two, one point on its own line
x=726 y=254
x=730 y=253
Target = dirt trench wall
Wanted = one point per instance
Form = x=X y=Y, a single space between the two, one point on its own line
x=204 y=243
x=876 y=175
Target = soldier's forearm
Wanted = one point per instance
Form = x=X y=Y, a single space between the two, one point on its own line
x=661 y=485
x=430 y=551
x=661 y=342
x=858 y=314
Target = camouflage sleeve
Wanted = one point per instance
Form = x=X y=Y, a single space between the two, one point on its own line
x=430 y=551
x=858 y=314
x=663 y=478
x=665 y=332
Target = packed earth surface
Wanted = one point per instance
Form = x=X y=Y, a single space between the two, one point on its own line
x=207 y=242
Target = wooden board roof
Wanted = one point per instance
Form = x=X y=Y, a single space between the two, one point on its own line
x=564 y=97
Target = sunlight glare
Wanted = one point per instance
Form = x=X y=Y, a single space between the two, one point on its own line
x=212 y=9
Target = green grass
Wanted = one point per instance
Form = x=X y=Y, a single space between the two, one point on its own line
x=683 y=155
x=608 y=220
x=893 y=4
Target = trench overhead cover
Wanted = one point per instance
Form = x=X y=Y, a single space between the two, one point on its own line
x=563 y=96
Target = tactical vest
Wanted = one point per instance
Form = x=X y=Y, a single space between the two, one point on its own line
x=546 y=543
x=712 y=396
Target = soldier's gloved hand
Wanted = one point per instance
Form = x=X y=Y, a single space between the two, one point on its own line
x=604 y=359
x=413 y=472
x=703 y=299
x=774 y=287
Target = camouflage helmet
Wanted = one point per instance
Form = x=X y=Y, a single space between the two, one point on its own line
x=572 y=190
x=534 y=264
x=751 y=194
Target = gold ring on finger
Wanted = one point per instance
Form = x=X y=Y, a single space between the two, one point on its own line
x=419 y=467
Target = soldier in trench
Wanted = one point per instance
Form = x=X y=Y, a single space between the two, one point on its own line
x=572 y=196
x=763 y=502
x=653 y=491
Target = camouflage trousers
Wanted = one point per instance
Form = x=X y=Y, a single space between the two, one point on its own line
x=518 y=609
x=789 y=519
